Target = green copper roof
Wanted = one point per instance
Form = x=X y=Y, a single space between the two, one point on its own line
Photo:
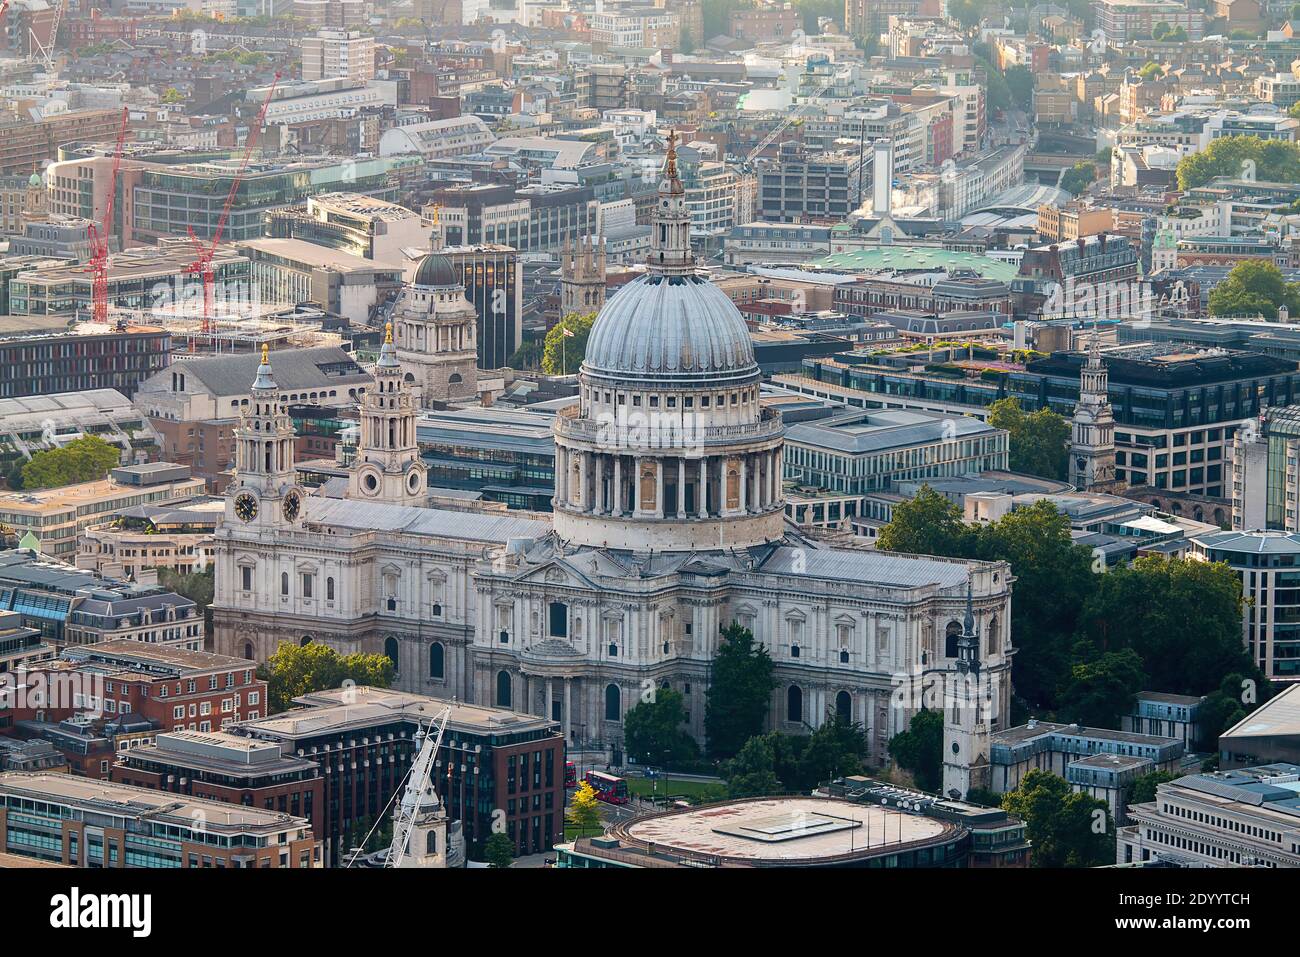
x=919 y=257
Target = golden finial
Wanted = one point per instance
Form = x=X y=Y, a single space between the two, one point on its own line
x=388 y=333
x=266 y=353
x=670 y=167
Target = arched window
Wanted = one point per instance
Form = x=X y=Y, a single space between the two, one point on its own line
x=844 y=707
x=613 y=703
x=503 y=689
x=390 y=649
x=329 y=589
x=248 y=650
x=284 y=583
x=995 y=638
x=437 y=610
x=794 y=704
x=431 y=843
x=436 y=660
x=306 y=640
x=950 y=639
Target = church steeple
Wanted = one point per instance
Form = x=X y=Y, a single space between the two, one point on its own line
x=670 y=250
x=967 y=713
x=1092 y=430
x=388 y=467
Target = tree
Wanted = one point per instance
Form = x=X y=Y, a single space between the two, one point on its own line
x=926 y=524
x=1054 y=577
x=171 y=95
x=997 y=94
x=1079 y=177
x=834 y=750
x=1020 y=84
x=1143 y=788
x=86 y=459
x=498 y=850
x=1182 y=617
x=1241 y=157
x=968 y=13
x=296 y=670
x=1101 y=687
x=527 y=356
x=1037 y=440
x=1236 y=696
x=750 y=773
x=919 y=749
x=563 y=354
x=654 y=732
x=1255 y=286
x=1160 y=31
x=740 y=692
x=584 y=809
x=1065 y=829
x=198 y=587
x=1151 y=69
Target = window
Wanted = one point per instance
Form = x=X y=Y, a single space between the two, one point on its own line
x=559 y=614
x=844 y=707
x=503 y=689
x=306 y=585
x=950 y=639
x=329 y=589
x=436 y=660
x=431 y=843
x=284 y=583
x=390 y=649
x=613 y=703
x=794 y=704
x=246 y=579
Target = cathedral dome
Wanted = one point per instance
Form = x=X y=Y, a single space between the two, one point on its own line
x=681 y=327
x=436 y=269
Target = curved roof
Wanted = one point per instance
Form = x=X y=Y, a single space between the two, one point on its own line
x=674 y=326
x=436 y=269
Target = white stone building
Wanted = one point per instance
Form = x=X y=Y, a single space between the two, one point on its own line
x=668 y=525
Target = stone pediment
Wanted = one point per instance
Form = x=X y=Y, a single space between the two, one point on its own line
x=556 y=572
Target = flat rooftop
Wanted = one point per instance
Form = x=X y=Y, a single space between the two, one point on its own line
x=323 y=712
x=132 y=802
x=784 y=830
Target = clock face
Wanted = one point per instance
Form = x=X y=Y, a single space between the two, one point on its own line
x=246 y=507
x=292 y=503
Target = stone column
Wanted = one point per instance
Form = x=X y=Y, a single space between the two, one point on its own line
x=659 y=488
x=636 y=485
x=549 y=707
x=561 y=474
x=681 y=488
x=744 y=483
x=568 y=709
x=703 y=493
x=585 y=460
x=616 y=503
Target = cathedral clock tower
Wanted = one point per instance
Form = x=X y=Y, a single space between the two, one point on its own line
x=264 y=491
x=388 y=466
x=967 y=712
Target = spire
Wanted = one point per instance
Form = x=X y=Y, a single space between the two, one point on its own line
x=670 y=165
x=968 y=623
x=264 y=380
x=388 y=354
x=670 y=253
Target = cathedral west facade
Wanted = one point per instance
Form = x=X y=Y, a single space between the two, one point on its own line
x=668 y=525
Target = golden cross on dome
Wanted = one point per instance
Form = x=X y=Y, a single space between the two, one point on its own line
x=670 y=168
x=388 y=333
x=266 y=353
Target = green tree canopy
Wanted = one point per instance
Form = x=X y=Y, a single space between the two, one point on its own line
x=296 y=670
x=498 y=850
x=1143 y=788
x=1065 y=829
x=926 y=524
x=1101 y=687
x=1037 y=441
x=1020 y=85
x=1079 y=177
x=563 y=354
x=1241 y=157
x=919 y=749
x=198 y=587
x=86 y=459
x=1255 y=286
x=1182 y=617
x=740 y=692
x=655 y=734
x=1151 y=69
x=750 y=773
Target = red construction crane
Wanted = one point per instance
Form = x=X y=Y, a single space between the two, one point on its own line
x=99 y=238
x=206 y=253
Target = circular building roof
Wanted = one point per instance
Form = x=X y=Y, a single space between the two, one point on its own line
x=436 y=269
x=679 y=327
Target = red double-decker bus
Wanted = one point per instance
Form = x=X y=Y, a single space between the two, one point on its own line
x=608 y=788
x=570 y=774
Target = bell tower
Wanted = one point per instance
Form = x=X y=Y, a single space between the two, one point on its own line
x=1092 y=430
x=264 y=490
x=967 y=714
x=670 y=250
x=582 y=276
x=388 y=466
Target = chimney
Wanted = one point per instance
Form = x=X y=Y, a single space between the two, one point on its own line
x=882 y=157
